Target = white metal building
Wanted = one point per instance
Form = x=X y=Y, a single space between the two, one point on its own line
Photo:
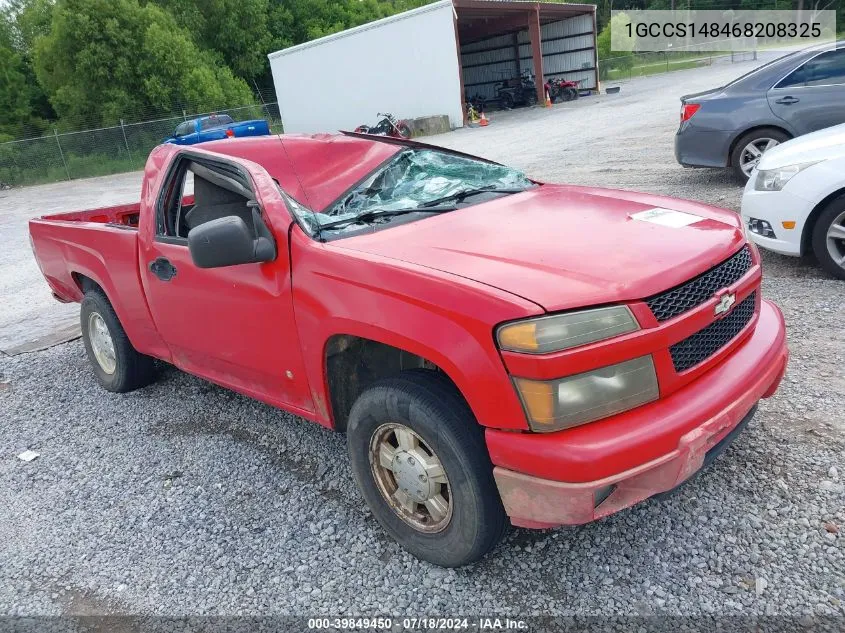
x=427 y=61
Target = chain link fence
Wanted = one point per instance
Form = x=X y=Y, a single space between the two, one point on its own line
x=626 y=67
x=103 y=151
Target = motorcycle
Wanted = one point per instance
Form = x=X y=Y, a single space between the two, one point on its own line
x=387 y=126
x=514 y=92
x=561 y=90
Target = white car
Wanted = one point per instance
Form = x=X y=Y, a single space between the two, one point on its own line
x=794 y=201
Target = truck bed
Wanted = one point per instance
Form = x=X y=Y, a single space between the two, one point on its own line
x=102 y=245
x=125 y=215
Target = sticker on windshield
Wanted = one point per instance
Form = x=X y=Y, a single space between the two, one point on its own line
x=666 y=217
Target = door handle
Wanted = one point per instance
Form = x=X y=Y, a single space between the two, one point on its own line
x=162 y=268
x=788 y=100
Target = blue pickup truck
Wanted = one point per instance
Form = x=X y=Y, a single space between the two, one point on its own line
x=216 y=127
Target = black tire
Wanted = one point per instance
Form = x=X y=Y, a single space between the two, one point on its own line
x=427 y=403
x=744 y=140
x=507 y=101
x=832 y=212
x=132 y=369
x=531 y=98
x=575 y=94
x=567 y=94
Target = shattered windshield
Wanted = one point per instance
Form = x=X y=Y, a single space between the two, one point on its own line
x=417 y=180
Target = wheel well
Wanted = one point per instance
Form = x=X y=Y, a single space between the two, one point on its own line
x=809 y=225
x=739 y=137
x=354 y=363
x=85 y=283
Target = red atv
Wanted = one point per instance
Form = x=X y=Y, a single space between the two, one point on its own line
x=388 y=126
x=561 y=90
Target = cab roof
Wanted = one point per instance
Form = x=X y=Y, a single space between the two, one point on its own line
x=314 y=169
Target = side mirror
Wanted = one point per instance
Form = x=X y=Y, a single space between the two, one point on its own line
x=229 y=242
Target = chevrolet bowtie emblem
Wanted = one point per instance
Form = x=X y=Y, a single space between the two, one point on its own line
x=725 y=303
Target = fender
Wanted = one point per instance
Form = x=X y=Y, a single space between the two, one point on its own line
x=440 y=317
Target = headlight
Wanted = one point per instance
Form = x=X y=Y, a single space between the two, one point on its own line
x=776 y=179
x=562 y=331
x=559 y=404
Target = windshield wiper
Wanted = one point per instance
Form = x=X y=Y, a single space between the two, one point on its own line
x=381 y=213
x=459 y=196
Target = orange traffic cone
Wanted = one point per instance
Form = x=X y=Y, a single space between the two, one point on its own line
x=548 y=100
x=483 y=120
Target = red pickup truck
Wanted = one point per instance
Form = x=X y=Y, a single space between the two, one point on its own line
x=494 y=347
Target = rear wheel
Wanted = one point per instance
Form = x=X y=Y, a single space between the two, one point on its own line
x=828 y=238
x=531 y=98
x=507 y=101
x=748 y=150
x=117 y=365
x=420 y=461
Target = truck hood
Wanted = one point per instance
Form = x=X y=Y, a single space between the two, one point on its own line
x=565 y=247
x=825 y=144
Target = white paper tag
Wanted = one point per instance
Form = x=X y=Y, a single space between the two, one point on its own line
x=28 y=456
x=666 y=217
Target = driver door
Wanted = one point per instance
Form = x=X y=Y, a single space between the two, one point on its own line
x=233 y=325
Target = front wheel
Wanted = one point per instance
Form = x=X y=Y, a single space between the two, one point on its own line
x=403 y=129
x=420 y=461
x=828 y=238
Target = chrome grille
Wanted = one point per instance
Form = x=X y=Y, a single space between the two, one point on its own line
x=698 y=290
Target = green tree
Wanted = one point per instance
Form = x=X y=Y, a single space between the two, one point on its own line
x=14 y=95
x=615 y=33
x=104 y=60
x=237 y=30
x=29 y=19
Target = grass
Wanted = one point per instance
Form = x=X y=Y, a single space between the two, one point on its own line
x=678 y=61
x=87 y=166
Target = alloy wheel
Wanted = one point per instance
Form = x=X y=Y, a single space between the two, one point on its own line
x=836 y=240
x=752 y=152
x=101 y=343
x=410 y=478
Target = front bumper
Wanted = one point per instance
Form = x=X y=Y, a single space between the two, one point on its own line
x=776 y=207
x=700 y=415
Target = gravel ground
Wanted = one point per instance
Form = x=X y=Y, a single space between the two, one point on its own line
x=184 y=498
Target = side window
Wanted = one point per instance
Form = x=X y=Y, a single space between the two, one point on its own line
x=825 y=69
x=200 y=192
x=185 y=128
x=215 y=120
x=828 y=68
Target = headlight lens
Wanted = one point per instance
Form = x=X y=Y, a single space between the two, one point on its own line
x=776 y=179
x=560 y=404
x=562 y=331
